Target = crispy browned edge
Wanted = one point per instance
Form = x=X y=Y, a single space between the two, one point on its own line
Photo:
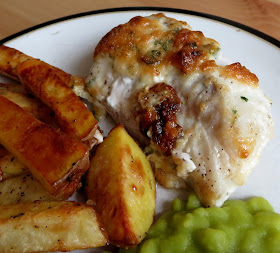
x=24 y=134
x=10 y=58
x=20 y=96
x=84 y=126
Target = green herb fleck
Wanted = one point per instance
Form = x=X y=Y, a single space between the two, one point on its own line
x=155 y=53
x=234 y=120
x=166 y=44
x=176 y=30
x=234 y=111
x=244 y=98
x=193 y=44
x=211 y=48
x=157 y=42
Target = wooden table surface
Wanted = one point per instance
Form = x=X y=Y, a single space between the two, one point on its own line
x=16 y=15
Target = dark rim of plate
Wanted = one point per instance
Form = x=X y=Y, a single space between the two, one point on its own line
x=163 y=9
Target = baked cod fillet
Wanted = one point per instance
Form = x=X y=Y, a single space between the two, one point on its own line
x=205 y=123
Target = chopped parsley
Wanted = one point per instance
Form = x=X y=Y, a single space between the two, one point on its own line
x=155 y=53
x=164 y=44
x=157 y=42
x=193 y=44
x=211 y=48
x=152 y=58
x=234 y=111
x=176 y=30
x=244 y=98
x=234 y=120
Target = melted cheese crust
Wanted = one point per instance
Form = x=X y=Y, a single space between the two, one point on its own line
x=225 y=117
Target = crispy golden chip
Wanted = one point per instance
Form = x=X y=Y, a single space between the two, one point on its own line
x=9 y=164
x=70 y=112
x=24 y=188
x=49 y=226
x=18 y=94
x=52 y=157
x=9 y=59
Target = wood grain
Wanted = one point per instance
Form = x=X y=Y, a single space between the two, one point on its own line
x=16 y=15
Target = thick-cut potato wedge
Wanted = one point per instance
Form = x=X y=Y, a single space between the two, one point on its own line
x=23 y=189
x=52 y=157
x=10 y=165
x=121 y=184
x=71 y=114
x=49 y=226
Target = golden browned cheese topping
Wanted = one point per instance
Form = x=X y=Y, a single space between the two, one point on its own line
x=147 y=45
x=156 y=42
x=234 y=71
x=160 y=105
x=237 y=71
x=245 y=147
x=191 y=49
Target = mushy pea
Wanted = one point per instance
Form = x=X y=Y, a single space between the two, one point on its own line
x=237 y=226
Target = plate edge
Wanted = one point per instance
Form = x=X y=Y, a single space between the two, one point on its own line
x=246 y=28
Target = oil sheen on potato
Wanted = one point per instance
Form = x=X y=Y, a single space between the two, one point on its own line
x=122 y=186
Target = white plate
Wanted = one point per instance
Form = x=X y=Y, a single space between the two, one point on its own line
x=69 y=43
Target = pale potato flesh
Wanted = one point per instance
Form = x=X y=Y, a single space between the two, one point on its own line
x=121 y=184
x=20 y=96
x=24 y=188
x=10 y=165
x=49 y=226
